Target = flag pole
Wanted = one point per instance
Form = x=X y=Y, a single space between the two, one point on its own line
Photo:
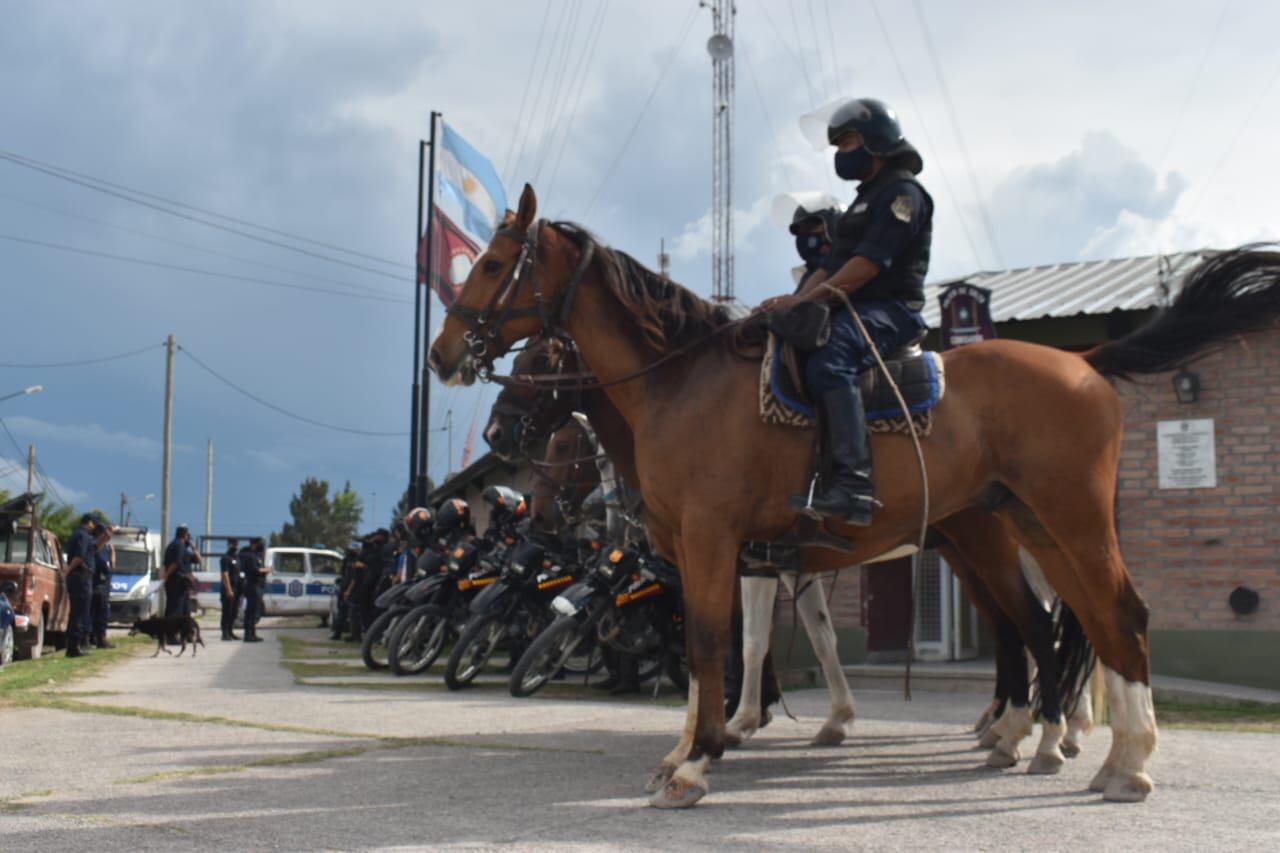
x=424 y=420
x=419 y=275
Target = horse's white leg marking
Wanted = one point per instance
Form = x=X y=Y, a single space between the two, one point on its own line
x=1012 y=728
x=1079 y=724
x=1123 y=776
x=677 y=756
x=812 y=605
x=758 y=597
x=989 y=738
x=1049 y=758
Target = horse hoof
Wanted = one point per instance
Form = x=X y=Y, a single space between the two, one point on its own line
x=1001 y=760
x=1045 y=764
x=732 y=739
x=828 y=735
x=989 y=739
x=678 y=794
x=1133 y=788
x=659 y=779
x=1102 y=779
x=1070 y=748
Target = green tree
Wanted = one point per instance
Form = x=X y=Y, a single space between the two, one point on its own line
x=317 y=520
x=60 y=519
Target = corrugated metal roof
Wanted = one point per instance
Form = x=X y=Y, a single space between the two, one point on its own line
x=1066 y=290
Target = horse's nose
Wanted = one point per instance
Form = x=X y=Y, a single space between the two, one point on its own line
x=433 y=359
x=493 y=434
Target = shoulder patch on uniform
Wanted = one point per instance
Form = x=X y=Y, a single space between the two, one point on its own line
x=903 y=207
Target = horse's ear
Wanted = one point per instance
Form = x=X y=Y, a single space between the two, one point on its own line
x=528 y=209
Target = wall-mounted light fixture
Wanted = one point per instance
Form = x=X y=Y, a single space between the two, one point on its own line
x=1186 y=386
x=1243 y=600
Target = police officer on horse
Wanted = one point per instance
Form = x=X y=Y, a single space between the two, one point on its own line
x=878 y=258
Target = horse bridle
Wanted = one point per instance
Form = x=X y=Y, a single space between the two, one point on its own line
x=531 y=414
x=484 y=326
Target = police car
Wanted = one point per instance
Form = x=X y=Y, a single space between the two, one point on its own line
x=301 y=581
x=135 y=577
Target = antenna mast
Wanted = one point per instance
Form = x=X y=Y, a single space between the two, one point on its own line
x=720 y=47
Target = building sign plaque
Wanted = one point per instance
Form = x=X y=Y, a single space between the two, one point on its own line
x=1186 y=454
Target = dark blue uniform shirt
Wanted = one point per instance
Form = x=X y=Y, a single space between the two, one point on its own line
x=81 y=545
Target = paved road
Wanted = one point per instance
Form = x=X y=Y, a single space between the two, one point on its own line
x=267 y=763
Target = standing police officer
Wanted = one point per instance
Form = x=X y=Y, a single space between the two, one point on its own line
x=255 y=580
x=104 y=563
x=81 y=563
x=878 y=259
x=178 y=579
x=232 y=589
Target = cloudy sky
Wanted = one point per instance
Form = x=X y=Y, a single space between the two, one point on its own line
x=1051 y=132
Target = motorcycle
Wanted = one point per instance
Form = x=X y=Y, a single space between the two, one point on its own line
x=394 y=604
x=630 y=603
x=510 y=613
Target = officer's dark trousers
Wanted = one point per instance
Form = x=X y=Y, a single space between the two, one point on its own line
x=339 y=625
x=177 y=593
x=891 y=325
x=101 y=608
x=80 y=591
x=252 y=608
x=230 y=606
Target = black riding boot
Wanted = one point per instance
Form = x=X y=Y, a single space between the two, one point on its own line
x=848 y=493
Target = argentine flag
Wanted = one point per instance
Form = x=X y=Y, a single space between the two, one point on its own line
x=465 y=177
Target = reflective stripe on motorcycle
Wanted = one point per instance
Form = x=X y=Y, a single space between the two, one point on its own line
x=464 y=585
x=552 y=584
x=628 y=597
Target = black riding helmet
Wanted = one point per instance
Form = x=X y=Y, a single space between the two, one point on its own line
x=420 y=521
x=505 y=501
x=452 y=516
x=826 y=217
x=879 y=127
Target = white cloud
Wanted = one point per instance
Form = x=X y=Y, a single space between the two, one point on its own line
x=268 y=460
x=94 y=436
x=13 y=479
x=695 y=240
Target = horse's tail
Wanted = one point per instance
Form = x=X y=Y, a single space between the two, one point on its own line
x=1227 y=295
x=1075 y=658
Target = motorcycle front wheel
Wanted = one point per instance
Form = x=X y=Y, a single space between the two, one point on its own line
x=417 y=640
x=373 y=649
x=546 y=656
x=479 y=640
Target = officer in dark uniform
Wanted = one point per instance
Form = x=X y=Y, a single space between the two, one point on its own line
x=813 y=224
x=342 y=620
x=104 y=563
x=879 y=258
x=255 y=581
x=177 y=576
x=81 y=563
x=373 y=557
x=232 y=589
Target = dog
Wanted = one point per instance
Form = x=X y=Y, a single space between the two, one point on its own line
x=164 y=627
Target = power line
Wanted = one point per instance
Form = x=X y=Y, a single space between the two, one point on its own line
x=555 y=105
x=588 y=57
x=955 y=126
x=831 y=38
x=40 y=472
x=86 y=361
x=825 y=79
x=31 y=162
x=279 y=409
x=193 y=246
x=540 y=86
x=1191 y=89
x=795 y=26
x=764 y=109
x=782 y=42
x=644 y=108
x=924 y=131
x=196 y=271
x=18 y=161
x=524 y=98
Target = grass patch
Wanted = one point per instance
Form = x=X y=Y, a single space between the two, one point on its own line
x=311 y=757
x=1232 y=716
x=306 y=669
x=295 y=647
x=24 y=676
x=16 y=804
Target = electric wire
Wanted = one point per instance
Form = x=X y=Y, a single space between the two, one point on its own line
x=191 y=218
x=524 y=97
x=557 y=101
x=193 y=246
x=588 y=58
x=43 y=477
x=795 y=25
x=1191 y=90
x=280 y=409
x=782 y=42
x=266 y=282
x=644 y=108
x=768 y=120
x=831 y=37
x=540 y=87
x=825 y=78
x=31 y=162
x=86 y=361
x=979 y=199
x=924 y=131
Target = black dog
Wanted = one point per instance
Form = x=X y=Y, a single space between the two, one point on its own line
x=163 y=627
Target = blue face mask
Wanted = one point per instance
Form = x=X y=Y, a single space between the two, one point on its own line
x=809 y=246
x=854 y=165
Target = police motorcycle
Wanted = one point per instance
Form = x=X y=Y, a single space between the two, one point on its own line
x=441 y=604
x=510 y=613
x=631 y=602
x=434 y=534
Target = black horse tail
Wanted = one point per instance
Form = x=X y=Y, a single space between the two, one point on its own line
x=1076 y=658
x=1228 y=295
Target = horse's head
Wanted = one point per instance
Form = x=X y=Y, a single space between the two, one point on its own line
x=567 y=474
x=516 y=289
x=525 y=413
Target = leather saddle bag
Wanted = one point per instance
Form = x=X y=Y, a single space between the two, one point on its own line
x=806 y=326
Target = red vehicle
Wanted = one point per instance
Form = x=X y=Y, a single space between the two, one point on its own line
x=32 y=558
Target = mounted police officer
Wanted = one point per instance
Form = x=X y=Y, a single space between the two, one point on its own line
x=878 y=258
x=104 y=564
x=81 y=562
x=232 y=588
x=255 y=581
x=812 y=218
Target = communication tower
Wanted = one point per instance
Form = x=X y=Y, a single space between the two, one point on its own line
x=720 y=46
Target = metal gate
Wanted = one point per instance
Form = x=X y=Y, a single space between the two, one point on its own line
x=946 y=622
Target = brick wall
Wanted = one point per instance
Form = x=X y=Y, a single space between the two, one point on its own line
x=1188 y=548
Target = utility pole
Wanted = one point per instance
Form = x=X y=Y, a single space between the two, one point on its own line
x=123 y=501
x=170 y=347
x=31 y=468
x=208 y=497
x=424 y=416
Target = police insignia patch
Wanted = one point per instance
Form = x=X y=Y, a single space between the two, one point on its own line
x=903 y=208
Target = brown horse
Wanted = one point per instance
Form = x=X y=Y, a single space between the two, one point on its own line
x=524 y=414
x=1029 y=432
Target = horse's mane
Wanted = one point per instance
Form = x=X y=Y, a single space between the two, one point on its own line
x=669 y=314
